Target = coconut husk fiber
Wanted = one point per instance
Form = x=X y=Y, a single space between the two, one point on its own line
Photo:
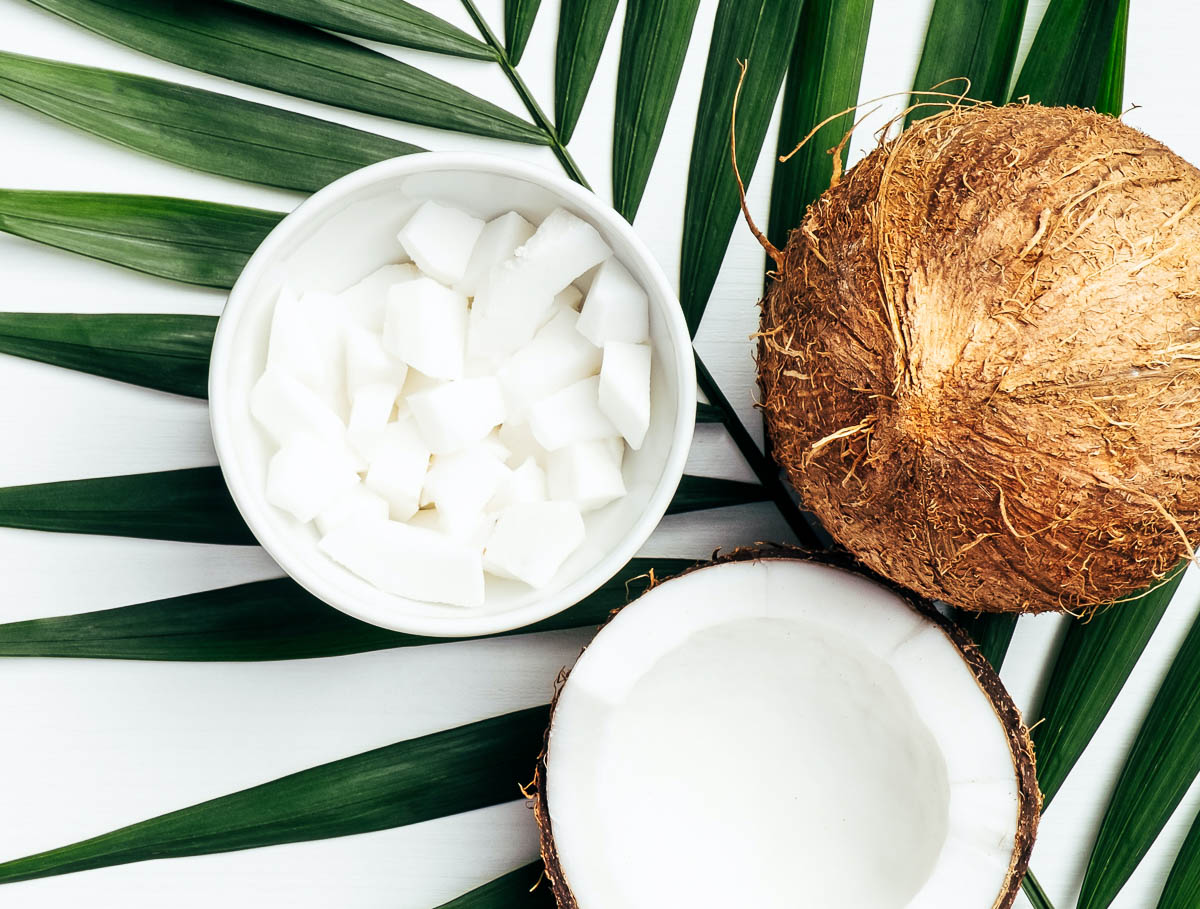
x=980 y=358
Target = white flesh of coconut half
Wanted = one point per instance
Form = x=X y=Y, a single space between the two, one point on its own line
x=782 y=733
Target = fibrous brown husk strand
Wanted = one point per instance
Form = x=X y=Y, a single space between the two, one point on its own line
x=980 y=360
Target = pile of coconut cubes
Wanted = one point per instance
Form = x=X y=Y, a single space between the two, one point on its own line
x=457 y=414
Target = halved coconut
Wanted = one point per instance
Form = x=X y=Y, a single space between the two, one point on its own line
x=774 y=731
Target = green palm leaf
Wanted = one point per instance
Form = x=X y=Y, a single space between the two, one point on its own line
x=258 y=49
x=706 y=413
x=761 y=33
x=201 y=129
x=195 y=242
x=1091 y=667
x=519 y=16
x=191 y=506
x=977 y=41
x=194 y=505
x=392 y=21
x=583 y=27
x=653 y=44
x=521 y=888
x=1078 y=55
x=434 y=776
x=1161 y=766
x=165 y=352
x=269 y=620
x=823 y=79
x=1183 y=883
x=700 y=493
x=992 y=633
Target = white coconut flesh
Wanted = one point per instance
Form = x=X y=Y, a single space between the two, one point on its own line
x=779 y=733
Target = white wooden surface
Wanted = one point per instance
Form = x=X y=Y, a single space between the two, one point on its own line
x=87 y=746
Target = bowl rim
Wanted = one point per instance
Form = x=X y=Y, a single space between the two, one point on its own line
x=251 y=503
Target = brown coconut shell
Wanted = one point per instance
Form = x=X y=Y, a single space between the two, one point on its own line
x=980 y=359
x=1020 y=744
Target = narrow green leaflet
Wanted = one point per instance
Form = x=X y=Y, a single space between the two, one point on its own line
x=699 y=493
x=707 y=413
x=761 y=33
x=191 y=505
x=269 y=620
x=1111 y=97
x=1160 y=768
x=184 y=240
x=653 y=44
x=1034 y=892
x=977 y=41
x=520 y=889
x=194 y=505
x=434 y=776
x=1183 y=883
x=1089 y=671
x=583 y=27
x=1078 y=55
x=519 y=16
x=259 y=49
x=992 y=633
x=195 y=128
x=391 y=21
x=823 y=79
x=165 y=352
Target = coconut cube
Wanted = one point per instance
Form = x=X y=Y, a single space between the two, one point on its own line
x=518 y=438
x=366 y=302
x=372 y=407
x=457 y=414
x=586 y=473
x=412 y=562
x=507 y=311
x=367 y=363
x=285 y=406
x=355 y=504
x=557 y=356
x=398 y=464
x=531 y=540
x=307 y=474
x=624 y=391
x=497 y=242
x=568 y=300
x=571 y=415
x=440 y=239
x=426 y=327
x=525 y=483
x=562 y=248
x=306 y=342
x=616 y=308
x=462 y=484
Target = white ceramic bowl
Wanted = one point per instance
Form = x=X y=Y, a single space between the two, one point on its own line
x=346 y=231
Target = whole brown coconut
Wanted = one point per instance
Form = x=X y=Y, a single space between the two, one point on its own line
x=980 y=358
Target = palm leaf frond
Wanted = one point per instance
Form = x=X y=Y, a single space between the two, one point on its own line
x=164 y=352
x=654 y=42
x=823 y=78
x=184 y=240
x=760 y=34
x=192 y=127
x=434 y=776
x=520 y=889
x=191 y=506
x=391 y=21
x=519 y=16
x=583 y=28
x=285 y=56
x=270 y=620
x=1161 y=766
